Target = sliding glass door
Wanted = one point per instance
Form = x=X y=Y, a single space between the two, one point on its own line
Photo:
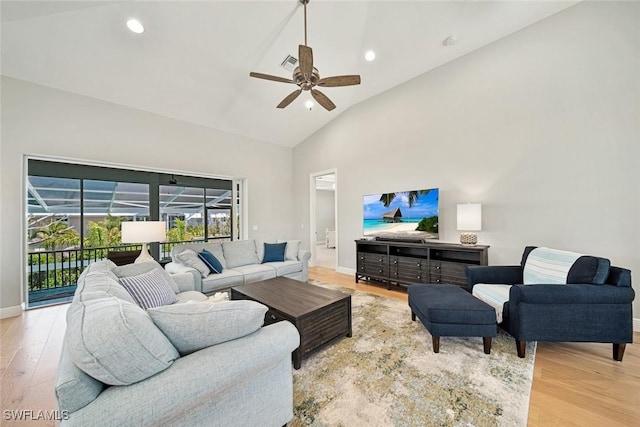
x=74 y=215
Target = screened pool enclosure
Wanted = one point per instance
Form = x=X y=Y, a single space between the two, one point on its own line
x=74 y=214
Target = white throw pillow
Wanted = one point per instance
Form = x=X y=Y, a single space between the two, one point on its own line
x=194 y=326
x=191 y=259
x=291 y=252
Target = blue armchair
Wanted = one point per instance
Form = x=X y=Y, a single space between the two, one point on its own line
x=593 y=304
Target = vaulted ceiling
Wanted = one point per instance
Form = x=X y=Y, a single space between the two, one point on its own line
x=193 y=60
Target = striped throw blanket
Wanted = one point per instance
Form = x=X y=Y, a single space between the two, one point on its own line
x=548 y=266
x=494 y=295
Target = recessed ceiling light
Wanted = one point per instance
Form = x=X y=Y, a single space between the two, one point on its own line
x=309 y=105
x=370 y=55
x=449 y=41
x=135 y=26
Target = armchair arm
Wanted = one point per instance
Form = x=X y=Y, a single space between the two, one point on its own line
x=179 y=271
x=570 y=294
x=496 y=274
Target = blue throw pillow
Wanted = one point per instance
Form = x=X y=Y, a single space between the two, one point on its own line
x=274 y=252
x=211 y=261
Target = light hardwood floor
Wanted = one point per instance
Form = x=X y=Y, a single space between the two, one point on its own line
x=573 y=385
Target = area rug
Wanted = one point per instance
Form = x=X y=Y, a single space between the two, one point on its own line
x=388 y=375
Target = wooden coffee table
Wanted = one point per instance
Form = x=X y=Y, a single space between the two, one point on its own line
x=320 y=315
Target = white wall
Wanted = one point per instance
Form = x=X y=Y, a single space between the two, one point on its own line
x=41 y=121
x=325 y=213
x=542 y=128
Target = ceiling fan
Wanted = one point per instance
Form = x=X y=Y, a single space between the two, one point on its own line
x=306 y=76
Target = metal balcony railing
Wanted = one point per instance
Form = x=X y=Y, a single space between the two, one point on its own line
x=54 y=274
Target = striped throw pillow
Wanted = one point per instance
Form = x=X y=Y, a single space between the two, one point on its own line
x=149 y=289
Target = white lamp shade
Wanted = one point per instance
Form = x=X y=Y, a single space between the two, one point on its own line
x=470 y=217
x=143 y=231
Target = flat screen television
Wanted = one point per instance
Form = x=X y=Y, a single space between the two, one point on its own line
x=411 y=215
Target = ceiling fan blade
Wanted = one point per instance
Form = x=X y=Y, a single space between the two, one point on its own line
x=289 y=99
x=322 y=99
x=339 y=81
x=305 y=56
x=270 y=77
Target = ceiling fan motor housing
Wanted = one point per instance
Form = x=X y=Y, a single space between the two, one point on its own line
x=306 y=84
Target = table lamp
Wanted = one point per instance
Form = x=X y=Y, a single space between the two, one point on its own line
x=469 y=219
x=143 y=232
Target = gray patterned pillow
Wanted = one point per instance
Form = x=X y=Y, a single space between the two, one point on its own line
x=149 y=289
x=190 y=259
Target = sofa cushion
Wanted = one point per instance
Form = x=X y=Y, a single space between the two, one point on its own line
x=216 y=249
x=144 y=267
x=215 y=267
x=73 y=387
x=293 y=247
x=226 y=279
x=274 y=252
x=189 y=258
x=286 y=267
x=116 y=342
x=256 y=272
x=260 y=247
x=149 y=289
x=191 y=327
x=240 y=252
x=589 y=269
x=98 y=283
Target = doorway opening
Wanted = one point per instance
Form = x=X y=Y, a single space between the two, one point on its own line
x=323 y=222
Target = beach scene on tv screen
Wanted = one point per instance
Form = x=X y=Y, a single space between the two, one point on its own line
x=402 y=214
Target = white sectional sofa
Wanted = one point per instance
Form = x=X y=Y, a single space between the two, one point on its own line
x=242 y=262
x=188 y=363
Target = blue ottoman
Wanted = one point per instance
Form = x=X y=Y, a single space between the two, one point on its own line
x=450 y=311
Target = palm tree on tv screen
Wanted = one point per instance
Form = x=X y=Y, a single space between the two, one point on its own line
x=412 y=197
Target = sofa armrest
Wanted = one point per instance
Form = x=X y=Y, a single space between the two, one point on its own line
x=187 y=278
x=493 y=274
x=570 y=294
x=304 y=255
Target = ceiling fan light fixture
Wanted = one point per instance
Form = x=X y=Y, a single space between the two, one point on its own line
x=309 y=105
x=370 y=55
x=307 y=77
x=135 y=26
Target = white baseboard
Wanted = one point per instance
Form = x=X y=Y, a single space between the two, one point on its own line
x=636 y=325
x=345 y=270
x=16 y=310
